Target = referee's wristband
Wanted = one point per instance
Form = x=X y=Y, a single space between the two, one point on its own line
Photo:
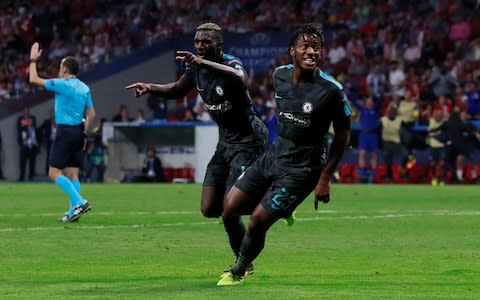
x=33 y=60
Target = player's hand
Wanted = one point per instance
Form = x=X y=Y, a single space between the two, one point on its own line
x=35 y=51
x=322 y=193
x=187 y=58
x=139 y=88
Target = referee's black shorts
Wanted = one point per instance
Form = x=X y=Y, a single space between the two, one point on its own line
x=67 y=148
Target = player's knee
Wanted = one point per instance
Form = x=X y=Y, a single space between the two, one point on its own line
x=53 y=175
x=262 y=219
x=210 y=211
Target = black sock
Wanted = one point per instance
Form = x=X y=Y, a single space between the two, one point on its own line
x=236 y=232
x=251 y=247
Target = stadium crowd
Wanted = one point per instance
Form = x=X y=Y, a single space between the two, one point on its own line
x=418 y=60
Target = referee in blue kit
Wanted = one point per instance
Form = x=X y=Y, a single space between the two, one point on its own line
x=73 y=101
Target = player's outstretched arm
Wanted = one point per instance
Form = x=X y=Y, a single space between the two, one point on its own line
x=35 y=53
x=170 y=90
x=189 y=59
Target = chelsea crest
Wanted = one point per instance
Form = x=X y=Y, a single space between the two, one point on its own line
x=307 y=107
x=219 y=90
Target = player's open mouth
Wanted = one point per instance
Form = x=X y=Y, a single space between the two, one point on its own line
x=310 y=61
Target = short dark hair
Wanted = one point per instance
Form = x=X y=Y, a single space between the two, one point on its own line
x=151 y=148
x=212 y=27
x=307 y=29
x=71 y=64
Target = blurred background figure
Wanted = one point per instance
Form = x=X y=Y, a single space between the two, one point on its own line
x=392 y=145
x=139 y=116
x=123 y=115
x=368 y=138
x=28 y=143
x=96 y=150
x=152 y=170
x=48 y=131
x=437 y=147
x=461 y=139
x=407 y=110
x=466 y=161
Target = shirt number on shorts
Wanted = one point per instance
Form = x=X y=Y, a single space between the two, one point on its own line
x=283 y=200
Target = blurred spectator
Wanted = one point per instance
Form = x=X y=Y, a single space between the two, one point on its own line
x=444 y=104
x=392 y=146
x=413 y=52
x=408 y=112
x=414 y=87
x=396 y=79
x=96 y=150
x=189 y=117
x=123 y=115
x=152 y=170
x=336 y=53
x=471 y=145
x=139 y=116
x=368 y=139
x=460 y=99
x=260 y=107
x=459 y=30
x=376 y=83
x=355 y=49
x=48 y=131
x=272 y=124
x=28 y=143
x=437 y=147
x=441 y=82
x=460 y=139
x=473 y=99
x=158 y=106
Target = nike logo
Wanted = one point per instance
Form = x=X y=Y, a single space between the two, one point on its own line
x=277 y=96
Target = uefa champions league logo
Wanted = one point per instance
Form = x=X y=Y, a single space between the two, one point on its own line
x=260 y=39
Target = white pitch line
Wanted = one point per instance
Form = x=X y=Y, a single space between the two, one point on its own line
x=93 y=227
x=330 y=212
x=106 y=213
x=301 y=219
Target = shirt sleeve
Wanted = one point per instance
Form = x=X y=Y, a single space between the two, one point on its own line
x=341 y=104
x=56 y=85
x=235 y=63
x=187 y=81
x=89 y=102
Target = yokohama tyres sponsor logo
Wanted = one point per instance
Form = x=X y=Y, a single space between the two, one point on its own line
x=222 y=107
x=299 y=121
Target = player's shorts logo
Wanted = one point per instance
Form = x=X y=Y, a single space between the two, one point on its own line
x=219 y=90
x=307 y=107
x=241 y=175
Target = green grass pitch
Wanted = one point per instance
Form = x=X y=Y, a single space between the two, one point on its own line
x=151 y=242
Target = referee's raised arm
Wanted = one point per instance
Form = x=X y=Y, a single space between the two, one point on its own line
x=35 y=53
